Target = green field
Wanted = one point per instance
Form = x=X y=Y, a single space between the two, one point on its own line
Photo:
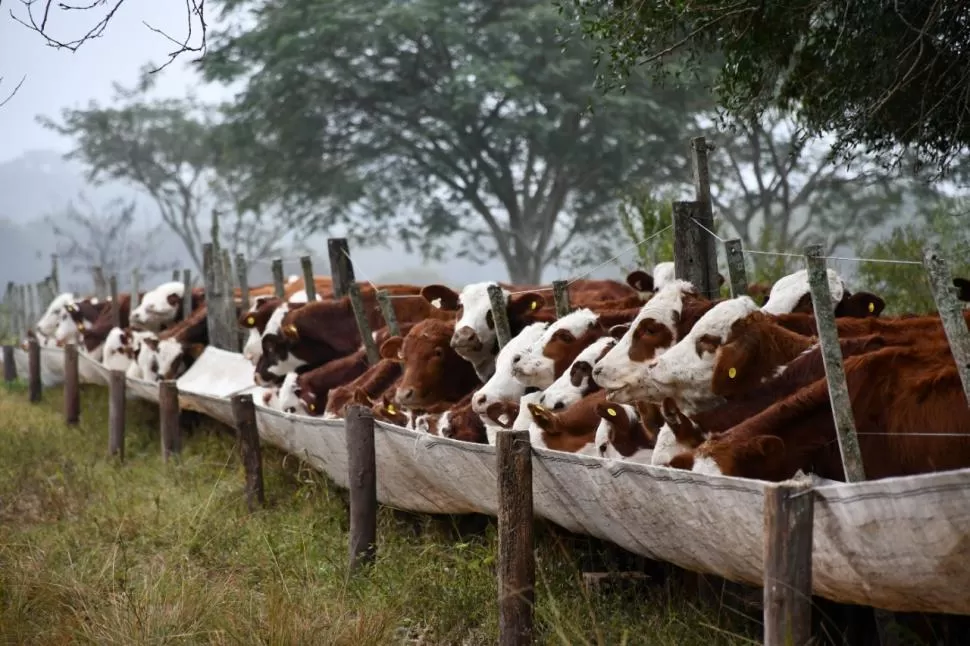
x=147 y=553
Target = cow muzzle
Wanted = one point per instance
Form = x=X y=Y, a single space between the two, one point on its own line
x=466 y=339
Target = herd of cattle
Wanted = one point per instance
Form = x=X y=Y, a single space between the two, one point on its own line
x=649 y=371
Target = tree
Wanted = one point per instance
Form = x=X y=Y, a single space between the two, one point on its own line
x=5 y=100
x=106 y=238
x=176 y=153
x=460 y=128
x=905 y=287
x=876 y=74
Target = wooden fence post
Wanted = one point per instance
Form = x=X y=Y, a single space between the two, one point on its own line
x=34 y=385
x=362 y=474
x=789 y=517
x=387 y=309
x=168 y=409
x=277 y=269
x=341 y=268
x=55 y=275
x=187 y=293
x=115 y=305
x=242 y=277
x=516 y=560
x=32 y=315
x=247 y=434
x=560 y=292
x=735 y=263
x=9 y=364
x=72 y=385
x=951 y=312
x=363 y=326
x=25 y=315
x=828 y=338
x=116 y=414
x=135 y=290
x=695 y=257
x=500 y=315
x=306 y=263
x=218 y=303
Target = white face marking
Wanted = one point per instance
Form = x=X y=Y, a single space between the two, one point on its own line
x=681 y=374
x=663 y=274
x=537 y=370
x=148 y=358
x=289 y=399
x=666 y=447
x=113 y=354
x=275 y=323
x=154 y=309
x=788 y=290
x=253 y=349
x=616 y=371
x=502 y=386
x=300 y=297
x=169 y=351
x=475 y=308
x=444 y=424
x=66 y=331
x=706 y=465
x=292 y=279
x=51 y=318
x=562 y=393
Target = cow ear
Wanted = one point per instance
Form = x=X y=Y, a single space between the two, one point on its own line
x=248 y=321
x=613 y=413
x=520 y=304
x=502 y=413
x=290 y=332
x=544 y=418
x=617 y=331
x=683 y=461
x=865 y=305
x=391 y=349
x=446 y=296
x=640 y=281
x=174 y=300
x=771 y=447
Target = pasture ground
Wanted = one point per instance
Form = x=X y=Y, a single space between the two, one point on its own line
x=148 y=553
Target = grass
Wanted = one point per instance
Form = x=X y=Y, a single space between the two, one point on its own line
x=148 y=553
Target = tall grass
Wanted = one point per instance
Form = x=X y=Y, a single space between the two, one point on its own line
x=147 y=553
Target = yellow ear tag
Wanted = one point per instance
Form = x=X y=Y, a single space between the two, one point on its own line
x=732 y=373
x=390 y=408
x=534 y=305
x=872 y=307
x=80 y=326
x=312 y=407
x=611 y=412
x=250 y=321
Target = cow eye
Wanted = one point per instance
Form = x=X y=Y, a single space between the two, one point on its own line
x=439 y=352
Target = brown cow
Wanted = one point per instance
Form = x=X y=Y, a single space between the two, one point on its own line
x=572 y=429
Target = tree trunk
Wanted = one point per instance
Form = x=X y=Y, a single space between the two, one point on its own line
x=523 y=272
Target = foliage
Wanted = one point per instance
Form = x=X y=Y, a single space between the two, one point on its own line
x=876 y=75
x=459 y=128
x=106 y=238
x=160 y=553
x=905 y=288
x=643 y=216
x=176 y=153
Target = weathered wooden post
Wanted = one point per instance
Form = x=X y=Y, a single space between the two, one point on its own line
x=387 y=309
x=168 y=410
x=135 y=289
x=500 y=315
x=115 y=305
x=247 y=434
x=341 y=268
x=951 y=312
x=55 y=275
x=363 y=326
x=242 y=277
x=695 y=257
x=219 y=309
x=116 y=414
x=560 y=292
x=362 y=473
x=72 y=385
x=277 y=269
x=32 y=314
x=516 y=560
x=306 y=263
x=34 y=385
x=187 y=294
x=9 y=364
x=788 y=516
x=735 y=263
x=26 y=320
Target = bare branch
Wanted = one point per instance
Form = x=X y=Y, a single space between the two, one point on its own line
x=15 y=90
x=37 y=16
